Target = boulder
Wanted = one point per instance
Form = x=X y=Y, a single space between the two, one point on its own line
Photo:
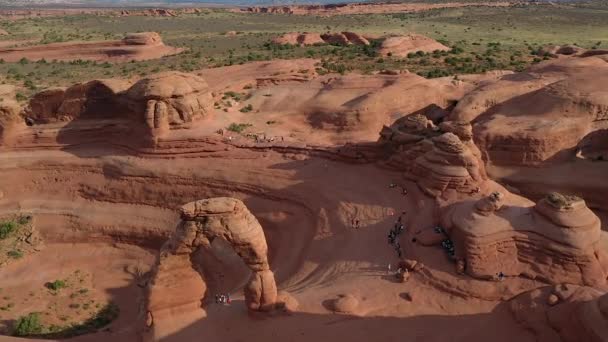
x=345 y=304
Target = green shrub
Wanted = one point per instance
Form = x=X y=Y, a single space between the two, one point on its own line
x=238 y=128
x=6 y=228
x=56 y=285
x=248 y=108
x=20 y=97
x=28 y=325
x=15 y=254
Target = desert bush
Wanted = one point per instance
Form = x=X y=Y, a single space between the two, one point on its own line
x=15 y=254
x=238 y=128
x=248 y=108
x=28 y=325
x=56 y=285
x=6 y=228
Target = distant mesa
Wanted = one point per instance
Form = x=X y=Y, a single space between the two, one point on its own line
x=134 y=46
x=362 y=7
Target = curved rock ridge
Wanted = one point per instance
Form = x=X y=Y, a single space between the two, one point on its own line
x=202 y=222
x=557 y=240
x=134 y=46
x=539 y=115
x=563 y=312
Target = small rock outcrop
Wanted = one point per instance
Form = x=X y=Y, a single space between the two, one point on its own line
x=557 y=240
x=142 y=38
x=175 y=282
x=401 y=46
x=345 y=304
x=311 y=38
x=302 y=39
x=10 y=118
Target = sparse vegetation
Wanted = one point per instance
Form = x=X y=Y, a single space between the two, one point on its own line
x=481 y=38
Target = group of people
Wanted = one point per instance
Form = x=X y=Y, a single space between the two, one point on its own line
x=394 y=234
x=223 y=299
x=448 y=246
x=447 y=243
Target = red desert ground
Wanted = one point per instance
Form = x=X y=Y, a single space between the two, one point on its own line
x=315 y=206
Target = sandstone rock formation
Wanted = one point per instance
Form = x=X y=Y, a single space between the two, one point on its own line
x=539 y=115
x=174 y=282
x=158 y=102
x=355 y=38
x=401 y=46
x=302 y=39
x=93 y=99
x=134 y=46
x=557 y=240
x=311 y=38
x=548 y=117
x=449 y=166
x=169 y=99
x=563 y=312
